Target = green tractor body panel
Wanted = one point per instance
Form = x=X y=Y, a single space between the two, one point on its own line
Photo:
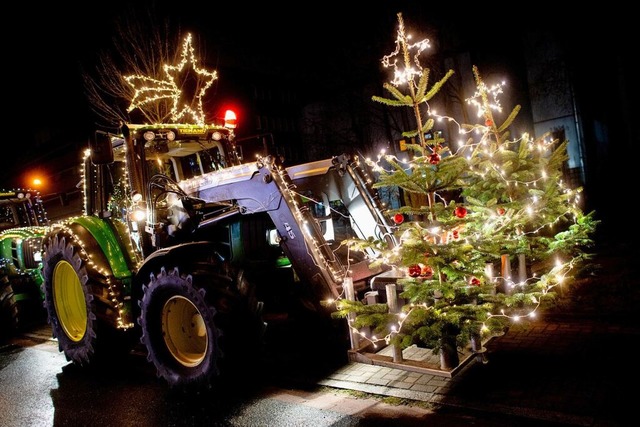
x=104 y=235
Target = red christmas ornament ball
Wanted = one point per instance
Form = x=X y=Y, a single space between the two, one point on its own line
x=474 y=281
x=434 y=158
x=488 y=122
x=398 y=218
x=501 y=211
x=414 y=270
x=460 y=211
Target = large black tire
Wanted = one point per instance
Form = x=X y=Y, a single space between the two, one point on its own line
x=196 y=326
x=73 y=297
x=31 y=309
x=8 y=311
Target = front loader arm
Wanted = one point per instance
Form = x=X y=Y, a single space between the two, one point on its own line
x=266 y=187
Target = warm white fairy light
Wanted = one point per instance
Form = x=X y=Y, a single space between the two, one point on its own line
x=479 y=97
x=548 y=282
x=488 y=155
x=114 y=287
x=404 y=69
x=149 y=90
x=313 y=244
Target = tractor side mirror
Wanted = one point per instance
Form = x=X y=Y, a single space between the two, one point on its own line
x=101 y=149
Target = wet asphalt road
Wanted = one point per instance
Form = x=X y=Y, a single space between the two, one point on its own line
x=38 y=387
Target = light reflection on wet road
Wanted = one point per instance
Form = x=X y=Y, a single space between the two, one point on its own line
x=40 y=388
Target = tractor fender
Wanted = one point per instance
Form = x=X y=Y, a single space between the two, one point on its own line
x=19 y=238
x=179 y=255
x=100 y=241
x=104 y=235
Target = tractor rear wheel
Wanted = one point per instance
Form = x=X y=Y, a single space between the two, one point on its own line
x=75 y=310
x=28 y=295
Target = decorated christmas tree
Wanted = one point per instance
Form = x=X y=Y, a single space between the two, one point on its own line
x=470 y=214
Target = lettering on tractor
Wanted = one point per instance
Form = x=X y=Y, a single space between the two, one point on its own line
x=187 y=250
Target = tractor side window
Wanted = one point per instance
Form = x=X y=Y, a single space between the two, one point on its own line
x=6 y=218
x=315 y=204
x=341 y=221
x=318 y=209
x=318 y=205
x=211 y=160
x=117 y=187
x=190 y=166
x=40 y=213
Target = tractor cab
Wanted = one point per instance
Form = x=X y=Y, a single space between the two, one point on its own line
x=21 y=208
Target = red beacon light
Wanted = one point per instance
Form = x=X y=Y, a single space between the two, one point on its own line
x=230 y=120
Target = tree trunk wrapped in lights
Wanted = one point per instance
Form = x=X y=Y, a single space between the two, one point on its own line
x=493 y=197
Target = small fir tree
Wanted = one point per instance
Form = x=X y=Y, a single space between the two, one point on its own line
x=469 y=211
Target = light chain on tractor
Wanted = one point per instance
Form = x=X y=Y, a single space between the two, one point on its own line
x=188 y=250
x=23 y=222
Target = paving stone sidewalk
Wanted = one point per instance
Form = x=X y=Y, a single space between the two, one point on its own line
x=574 y=365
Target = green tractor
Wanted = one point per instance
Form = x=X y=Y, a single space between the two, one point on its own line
x=193 y=252
x=23 y=222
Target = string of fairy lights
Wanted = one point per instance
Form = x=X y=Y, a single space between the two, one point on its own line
x=148 y=90
x=405 y=69
x=486 y=99
x=549 y=281
x=114 y=287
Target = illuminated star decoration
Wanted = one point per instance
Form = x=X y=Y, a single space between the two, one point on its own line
x=410 y=71
x=482 y=94
x=192 y=79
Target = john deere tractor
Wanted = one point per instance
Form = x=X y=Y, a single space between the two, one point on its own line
x=23 y=222
x=189 y=246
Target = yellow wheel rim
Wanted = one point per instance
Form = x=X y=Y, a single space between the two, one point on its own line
x=69 y=301
x=184 y=331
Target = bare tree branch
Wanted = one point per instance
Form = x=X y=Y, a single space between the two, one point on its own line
x=141 y=45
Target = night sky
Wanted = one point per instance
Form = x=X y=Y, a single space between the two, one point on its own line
x=60 y=41
x=54 y=46
x=49 y=46
x=55 y=42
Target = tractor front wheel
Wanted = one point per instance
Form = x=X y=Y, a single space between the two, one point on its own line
x=200 y=322
x=179 y=330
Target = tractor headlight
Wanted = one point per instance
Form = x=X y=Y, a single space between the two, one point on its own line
x=138 y=214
